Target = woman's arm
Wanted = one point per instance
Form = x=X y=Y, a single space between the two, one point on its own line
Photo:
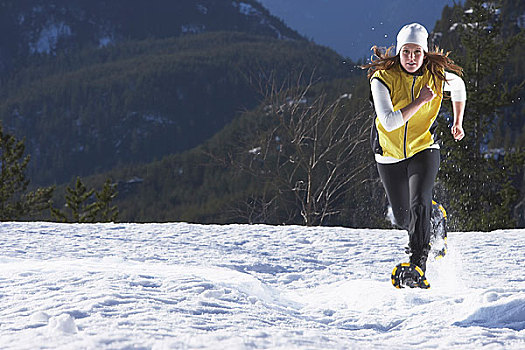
x=425 y=95
x=389 y=118
x=458 y=95
x=457 y=128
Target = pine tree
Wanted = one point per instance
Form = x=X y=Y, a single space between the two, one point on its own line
x=478 y=183
x=106 y=212
x=77 y=201
x=15 y=201
x=87 y=206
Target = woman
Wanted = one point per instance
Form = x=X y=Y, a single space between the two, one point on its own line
x=407 y=90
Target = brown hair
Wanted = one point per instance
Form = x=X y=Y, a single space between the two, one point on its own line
x=435 y=61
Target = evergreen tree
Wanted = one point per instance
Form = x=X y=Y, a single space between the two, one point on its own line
x=77 y=201
x=15 y=203
x=86 y=205
x=106 y=212
x=479 y=184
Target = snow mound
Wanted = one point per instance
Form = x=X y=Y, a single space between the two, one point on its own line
x=62 y=324
x=39 y=319
x=507 y=311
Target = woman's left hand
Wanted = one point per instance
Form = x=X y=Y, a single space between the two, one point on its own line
x=457 y=132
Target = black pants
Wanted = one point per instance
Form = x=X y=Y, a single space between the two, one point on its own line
x=408 y=185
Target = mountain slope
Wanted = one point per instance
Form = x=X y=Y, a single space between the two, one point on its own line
x=140 y=101
x=210 y=183
x=36 y=27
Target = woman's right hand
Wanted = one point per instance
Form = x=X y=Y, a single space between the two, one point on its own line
x=426 y=94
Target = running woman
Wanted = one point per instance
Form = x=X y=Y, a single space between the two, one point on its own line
x=407 y=91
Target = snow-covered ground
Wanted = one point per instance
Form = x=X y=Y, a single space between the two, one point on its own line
x=185 y=286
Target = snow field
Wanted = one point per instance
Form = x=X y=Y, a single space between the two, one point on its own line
x=186 y=286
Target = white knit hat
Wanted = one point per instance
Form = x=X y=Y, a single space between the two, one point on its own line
x=413 y=33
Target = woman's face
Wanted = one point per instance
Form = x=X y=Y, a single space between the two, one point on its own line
x=411 y=56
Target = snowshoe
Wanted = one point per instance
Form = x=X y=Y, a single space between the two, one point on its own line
x=409 y=275
x=438 y=231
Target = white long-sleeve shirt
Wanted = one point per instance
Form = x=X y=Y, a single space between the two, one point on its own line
x=391 y=119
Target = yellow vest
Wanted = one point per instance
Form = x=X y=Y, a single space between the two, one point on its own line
x=418 y=132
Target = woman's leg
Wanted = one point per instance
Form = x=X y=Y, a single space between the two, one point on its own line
x=408 y=186
x=422 y=170
x=395 y=181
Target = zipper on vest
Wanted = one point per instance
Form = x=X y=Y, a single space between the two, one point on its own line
x=406 y=124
